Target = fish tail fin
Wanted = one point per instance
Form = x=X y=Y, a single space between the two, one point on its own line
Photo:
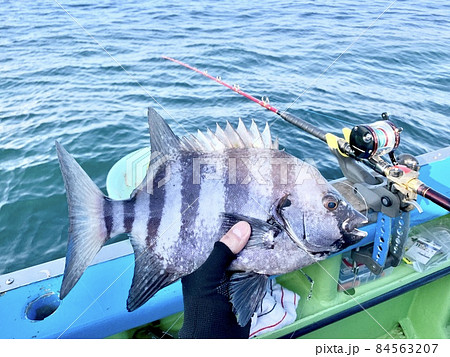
x=91 y=219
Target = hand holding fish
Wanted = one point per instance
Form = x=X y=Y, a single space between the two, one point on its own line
x=237 y=237
x=207 y=308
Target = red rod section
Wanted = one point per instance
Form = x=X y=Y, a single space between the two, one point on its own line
x=233 y=88
x=300 y=123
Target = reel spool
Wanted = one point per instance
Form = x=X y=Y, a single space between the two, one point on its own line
x=376 y=139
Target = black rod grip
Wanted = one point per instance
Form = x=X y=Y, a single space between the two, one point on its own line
x=304 y=125
x=434 y=196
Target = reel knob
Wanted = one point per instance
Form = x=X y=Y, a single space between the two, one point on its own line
x=409 y=161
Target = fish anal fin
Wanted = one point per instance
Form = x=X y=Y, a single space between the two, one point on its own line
x=150 y=275
x=246 y=291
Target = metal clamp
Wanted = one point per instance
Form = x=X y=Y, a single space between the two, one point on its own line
x=375 y=256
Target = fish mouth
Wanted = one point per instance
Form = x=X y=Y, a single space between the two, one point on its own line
x=350 y=231
x=350 y=224
x=358 y=233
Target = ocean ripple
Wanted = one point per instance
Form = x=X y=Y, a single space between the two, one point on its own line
x=317 y=58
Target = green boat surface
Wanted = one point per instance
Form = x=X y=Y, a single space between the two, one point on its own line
x=422 y=312
x=404 y=304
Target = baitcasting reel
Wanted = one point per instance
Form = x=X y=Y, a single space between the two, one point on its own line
x=377 y=139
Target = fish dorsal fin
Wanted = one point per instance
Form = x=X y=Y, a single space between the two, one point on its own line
x=205 y=142
x=191 y=143
x=220 y=134
x=162 y=138
x=275 y=144
x=256 y=136
x=218 y=145
x=233 y=136
x=244 y=134
x=230 y=138
x=266 y=136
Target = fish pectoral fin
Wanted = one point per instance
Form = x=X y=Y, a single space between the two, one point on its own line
x=149 y=275
x=246 y=291
x=263 y=234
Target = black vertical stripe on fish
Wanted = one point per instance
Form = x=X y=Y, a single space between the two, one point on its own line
x=155 y=205
x=129 y=214
x=108 y=216
x=152 y=229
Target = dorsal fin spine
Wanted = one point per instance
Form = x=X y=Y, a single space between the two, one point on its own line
x=256 y=136
x=206 y=143
x=267 y=137
x=229 y=138
x=218 y=145
x=233 y=136
x=220 y=134
x=244 y=134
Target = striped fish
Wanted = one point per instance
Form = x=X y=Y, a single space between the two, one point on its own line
x=196 y=188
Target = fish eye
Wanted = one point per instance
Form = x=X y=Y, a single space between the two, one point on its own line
x=330 y=202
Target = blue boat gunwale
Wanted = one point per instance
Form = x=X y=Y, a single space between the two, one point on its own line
x=106 y=315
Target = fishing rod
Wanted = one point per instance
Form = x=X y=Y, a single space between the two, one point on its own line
x=318 y=133
x=363 y=143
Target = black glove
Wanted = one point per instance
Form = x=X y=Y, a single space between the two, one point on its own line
x=207 y=309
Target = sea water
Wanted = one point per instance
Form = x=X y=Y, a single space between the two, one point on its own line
x=84 y=73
